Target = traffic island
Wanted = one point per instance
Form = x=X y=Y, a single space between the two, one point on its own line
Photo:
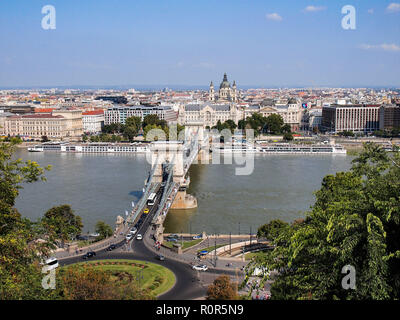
x=153 y=278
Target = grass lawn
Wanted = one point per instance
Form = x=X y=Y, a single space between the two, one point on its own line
x=148 y=273
x=251 y=255
x=186 y=244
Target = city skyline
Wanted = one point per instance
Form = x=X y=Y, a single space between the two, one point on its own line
x=177 y=44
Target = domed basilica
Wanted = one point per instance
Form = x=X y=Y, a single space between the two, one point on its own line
x=226 y=93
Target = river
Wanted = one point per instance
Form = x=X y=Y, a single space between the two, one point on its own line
x=103 y=186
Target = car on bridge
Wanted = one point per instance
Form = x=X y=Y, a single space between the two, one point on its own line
x=200 y=267
x=129 y=236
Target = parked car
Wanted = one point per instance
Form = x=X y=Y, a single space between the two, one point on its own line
x=82 y=238
x=139 y=237
x=111 y=247
x=94 y=235
x=133 y=231
x=172 y=239
x=197 y=237
x=89 y=254
x=201 y=267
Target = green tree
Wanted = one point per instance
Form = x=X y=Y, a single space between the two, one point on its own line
x=85 y=137
x=134 y=122
x=132 y=127
x=61 y=223
x=20 y=248
x=274 y=123
x=272 y=229
x=242 y=124
x=151 y=119
x=288 y=136
x=104 y=230
x=354 y=221
x=286 y=128
x=230 y=124
x=130 y=132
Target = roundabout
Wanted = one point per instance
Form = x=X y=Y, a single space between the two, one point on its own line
x=150 y=277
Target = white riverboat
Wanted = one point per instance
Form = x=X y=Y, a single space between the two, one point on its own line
x=303 y=149
x=91 y=147
x=237 y=148
x=283 y=148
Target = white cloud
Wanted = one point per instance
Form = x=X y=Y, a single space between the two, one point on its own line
x=205 y=65
x=384 y=46
x=393 y=7
x=371 y=11
x=314 y=9
x=273 y=16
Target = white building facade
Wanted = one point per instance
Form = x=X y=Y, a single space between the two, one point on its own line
x=119 y=114
x=93 y=121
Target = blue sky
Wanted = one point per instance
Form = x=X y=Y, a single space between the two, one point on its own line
x=184 y=42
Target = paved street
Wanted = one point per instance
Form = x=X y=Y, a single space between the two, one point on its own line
x=190 y=284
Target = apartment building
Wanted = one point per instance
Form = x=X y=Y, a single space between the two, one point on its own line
x=355 y=118
x=389 y=117
x=119 y=114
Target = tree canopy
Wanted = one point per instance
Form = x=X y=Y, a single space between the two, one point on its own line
x=222 y=289
x=62 y=223
x=355 y=221
x=20 y=245
x=104 y=230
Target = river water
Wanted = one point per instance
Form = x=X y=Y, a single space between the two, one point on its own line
x=103 y=186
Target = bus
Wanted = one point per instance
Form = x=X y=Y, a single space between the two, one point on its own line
x=151 y=199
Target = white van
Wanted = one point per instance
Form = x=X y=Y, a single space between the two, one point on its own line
x=51 y=263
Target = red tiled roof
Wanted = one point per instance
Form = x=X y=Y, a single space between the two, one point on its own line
x=44 y=110
x=40 y=116
x=92 y=113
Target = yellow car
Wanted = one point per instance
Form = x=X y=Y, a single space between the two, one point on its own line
x=146 y=211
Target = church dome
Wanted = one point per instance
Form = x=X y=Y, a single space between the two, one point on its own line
x=225 y=84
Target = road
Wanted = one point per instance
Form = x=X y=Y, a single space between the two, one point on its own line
x=187 y=286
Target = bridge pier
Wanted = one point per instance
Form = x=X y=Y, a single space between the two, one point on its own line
x=184 y=201
x=173 y=152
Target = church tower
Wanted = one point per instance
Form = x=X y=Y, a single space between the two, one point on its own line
x=212 y=92
x=234 y=92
